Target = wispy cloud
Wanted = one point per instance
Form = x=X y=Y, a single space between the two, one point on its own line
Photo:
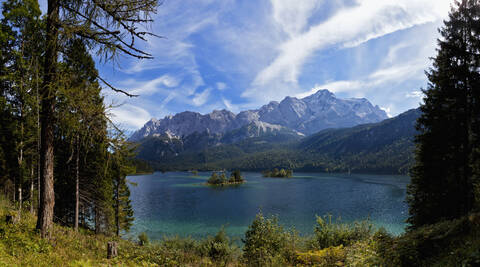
x=147 y=88
x=414 y=94
x=130 y=116
x=221 y=86
x=349 y=27
x=202 y=97
x=385 y=76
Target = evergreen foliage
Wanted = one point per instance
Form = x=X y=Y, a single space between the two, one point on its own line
x=447 y=155
x=282 y=173
x=92 y=157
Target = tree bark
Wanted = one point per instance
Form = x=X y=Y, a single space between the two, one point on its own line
x=77 y=193
x=117 y=210
x=31 y=189
x=20 y=202
x=47 y=196
x=39 y=136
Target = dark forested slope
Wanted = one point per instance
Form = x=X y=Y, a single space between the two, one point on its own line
x=384 y=147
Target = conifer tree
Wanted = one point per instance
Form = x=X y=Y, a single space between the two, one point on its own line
x=122 y=164
x=446 y=169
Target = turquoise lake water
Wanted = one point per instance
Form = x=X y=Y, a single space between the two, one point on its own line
x=179 y=203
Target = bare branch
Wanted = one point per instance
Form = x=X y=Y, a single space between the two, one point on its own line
x=116 y=89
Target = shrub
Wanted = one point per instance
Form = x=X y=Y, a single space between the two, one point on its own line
x=331 y=234
x=332 y=256
x=267 y=243
x=143 y=239
x=368 y=252
x=219 y=248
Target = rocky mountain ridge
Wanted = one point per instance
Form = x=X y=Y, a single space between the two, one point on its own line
x=305 y=116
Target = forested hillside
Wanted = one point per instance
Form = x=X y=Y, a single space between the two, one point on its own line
x=385 y=147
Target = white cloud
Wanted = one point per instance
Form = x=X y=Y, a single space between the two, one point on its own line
x=387 y=110
x=385 y=76
x=414 y=94
x=221 y=86
x=292 y=15
x=349 y=27
x=201 y=98
x=151 y=87
x=129 y=116
x=229 y=106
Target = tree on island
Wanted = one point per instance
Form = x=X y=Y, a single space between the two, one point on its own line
x=278 y=173
x=236 y=177
x=216 y=179
x=446 y=177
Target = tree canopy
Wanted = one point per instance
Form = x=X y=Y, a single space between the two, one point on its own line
x=447 y=170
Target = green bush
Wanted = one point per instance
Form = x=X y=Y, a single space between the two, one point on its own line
x=332 y=256
x=143 y=239
x=267 y=243
x=219 y=248
x=333 y=234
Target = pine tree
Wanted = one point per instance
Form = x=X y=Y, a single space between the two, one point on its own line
x=442 y=185
x=121 y=166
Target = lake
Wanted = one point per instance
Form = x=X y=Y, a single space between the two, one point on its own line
x=179 y=203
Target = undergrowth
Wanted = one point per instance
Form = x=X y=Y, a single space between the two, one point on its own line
x=266 y=243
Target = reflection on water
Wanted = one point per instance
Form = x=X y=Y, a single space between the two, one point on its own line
x=180 y=204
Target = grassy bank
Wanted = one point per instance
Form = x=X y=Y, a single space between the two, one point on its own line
x=266 y=243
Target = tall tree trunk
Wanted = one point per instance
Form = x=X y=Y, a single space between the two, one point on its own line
x=31 y=189
x=20 y=155
x=47 y=197
x=39 y=137
x=77 y=193
x=20 y=202
x=117 y=209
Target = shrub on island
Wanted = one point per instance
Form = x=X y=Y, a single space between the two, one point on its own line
x=282 y=173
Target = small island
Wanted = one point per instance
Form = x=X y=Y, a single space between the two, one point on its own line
x=221 y=179
x=275 y=173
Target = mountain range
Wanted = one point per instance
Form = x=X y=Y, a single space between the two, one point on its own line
x=282 y=135
x=299 y=117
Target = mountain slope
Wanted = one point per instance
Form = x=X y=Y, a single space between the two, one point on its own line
x=363 y=138
x=384 y=147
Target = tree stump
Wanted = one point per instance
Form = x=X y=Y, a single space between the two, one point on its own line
x=112 y=250
x=9 y=219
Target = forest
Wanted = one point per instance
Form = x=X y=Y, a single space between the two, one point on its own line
x=60 y=154
x=64 y=164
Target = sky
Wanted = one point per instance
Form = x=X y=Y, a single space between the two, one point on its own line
x=239 y=55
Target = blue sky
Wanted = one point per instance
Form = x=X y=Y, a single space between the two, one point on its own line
x=242 y=54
